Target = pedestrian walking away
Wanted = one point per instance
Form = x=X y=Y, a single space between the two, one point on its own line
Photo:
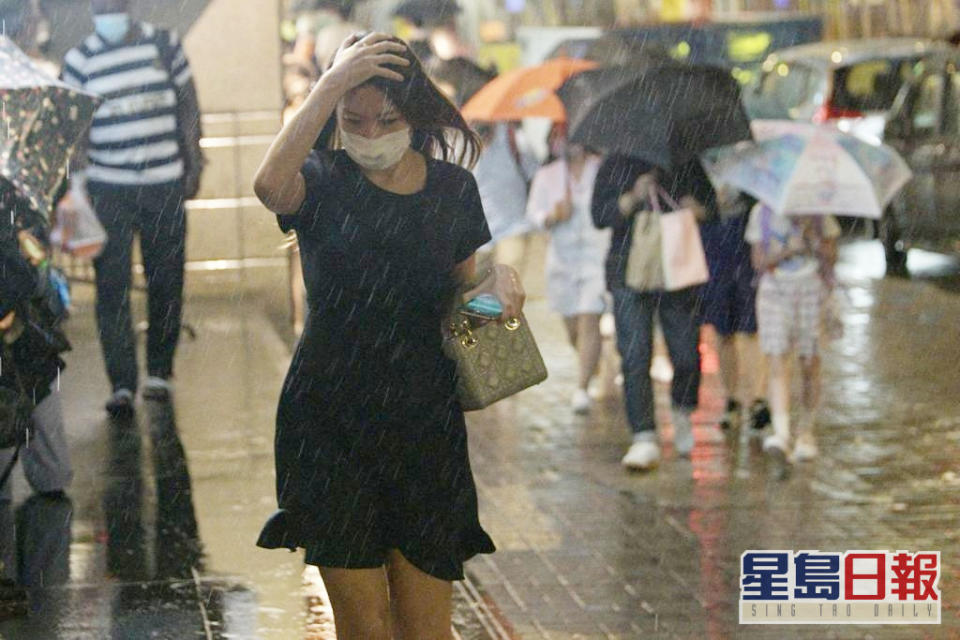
x=795 y=257
x=560 y=202
x=622 y=189
x=143 y=160
x=373 y=474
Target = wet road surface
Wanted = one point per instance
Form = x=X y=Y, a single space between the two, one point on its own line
x=158 y=539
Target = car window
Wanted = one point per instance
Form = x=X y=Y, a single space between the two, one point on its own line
x=871 y=85
x=787 y=91
x=928 y=106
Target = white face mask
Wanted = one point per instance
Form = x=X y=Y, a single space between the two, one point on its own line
x=376 y=154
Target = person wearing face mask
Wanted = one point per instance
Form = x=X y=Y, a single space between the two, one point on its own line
x=560 y=202
x=373 y=474
x=142 y=161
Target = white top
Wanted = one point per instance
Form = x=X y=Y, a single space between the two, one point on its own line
x=576 y=245
x=502 y=186
x=775 y=232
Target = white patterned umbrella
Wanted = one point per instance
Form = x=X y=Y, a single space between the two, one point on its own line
x=812 y=171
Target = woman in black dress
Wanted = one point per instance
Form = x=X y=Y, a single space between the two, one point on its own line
x=373 y=477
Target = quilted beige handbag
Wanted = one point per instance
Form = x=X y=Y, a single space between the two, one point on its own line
x=494 y=360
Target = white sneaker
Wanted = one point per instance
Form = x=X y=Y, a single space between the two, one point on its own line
x=661 y=369
x=805 y=449
x=682 y=432
x=643 y=454
x=581 y=402
x=774 y=442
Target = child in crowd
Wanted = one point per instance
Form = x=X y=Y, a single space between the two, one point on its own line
x=795 y=257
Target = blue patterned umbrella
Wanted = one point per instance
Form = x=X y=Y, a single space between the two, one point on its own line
x=41 y=122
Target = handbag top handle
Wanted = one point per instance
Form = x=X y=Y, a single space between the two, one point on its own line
x=657 y=192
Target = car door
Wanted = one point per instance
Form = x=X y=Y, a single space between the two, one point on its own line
x=916 y=132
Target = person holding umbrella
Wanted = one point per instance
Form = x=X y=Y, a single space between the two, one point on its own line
x=623 y=188
x=143 y=161
x=560 y=203
x=801 y=175
x=795 y=257
x=654 y=119
x=30 y=369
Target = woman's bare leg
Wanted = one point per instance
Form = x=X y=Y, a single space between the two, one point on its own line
x=810 y=369
x=779 y=396
x=570 y=323
x=360 y=602
x=588 y=334
x=420 y=603
x=729 y=366
x=751 y=367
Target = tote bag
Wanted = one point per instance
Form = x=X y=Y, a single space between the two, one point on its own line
x=666 y=251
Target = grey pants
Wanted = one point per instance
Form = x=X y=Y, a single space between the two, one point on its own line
x=46 y=465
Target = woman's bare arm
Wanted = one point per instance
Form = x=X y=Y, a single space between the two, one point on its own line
x=278 y=182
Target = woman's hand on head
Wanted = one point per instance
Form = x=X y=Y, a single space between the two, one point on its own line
x=503 y=282
x=360 y=59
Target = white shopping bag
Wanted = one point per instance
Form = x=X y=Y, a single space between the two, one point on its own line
x=684 y=262
x=78 y=230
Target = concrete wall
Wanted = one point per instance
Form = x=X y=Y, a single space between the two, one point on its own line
x=234 y=48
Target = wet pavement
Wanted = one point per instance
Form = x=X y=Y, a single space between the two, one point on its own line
x=166 y=507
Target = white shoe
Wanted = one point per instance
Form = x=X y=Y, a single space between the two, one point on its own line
x=581 y=402
x=682 y=432
x=661 y=369
x=644 y=453
x=772 y=442
x=805 y=448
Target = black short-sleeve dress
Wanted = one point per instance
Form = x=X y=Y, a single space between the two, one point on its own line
x=371 y=444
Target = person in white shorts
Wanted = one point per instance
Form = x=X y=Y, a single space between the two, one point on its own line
x=795 y=257
x=559 y=201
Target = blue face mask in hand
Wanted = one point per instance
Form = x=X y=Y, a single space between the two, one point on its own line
x=112 y=27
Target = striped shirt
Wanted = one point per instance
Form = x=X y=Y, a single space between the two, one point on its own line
x=134 y=138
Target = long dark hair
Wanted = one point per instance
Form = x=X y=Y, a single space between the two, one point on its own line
x=428 y=111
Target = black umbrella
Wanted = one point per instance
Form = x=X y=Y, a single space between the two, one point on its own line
x=427 y=13
x=41 y=122
x=666 y=113
x=466 y=76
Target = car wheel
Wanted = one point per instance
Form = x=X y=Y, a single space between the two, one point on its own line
x=893 y=249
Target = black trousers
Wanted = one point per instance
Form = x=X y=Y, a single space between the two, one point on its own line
x=156 y=213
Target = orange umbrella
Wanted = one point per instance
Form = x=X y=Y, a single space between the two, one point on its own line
x=527 y=92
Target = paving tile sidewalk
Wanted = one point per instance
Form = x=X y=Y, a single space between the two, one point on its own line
x=589 y=551
x=585 y=550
